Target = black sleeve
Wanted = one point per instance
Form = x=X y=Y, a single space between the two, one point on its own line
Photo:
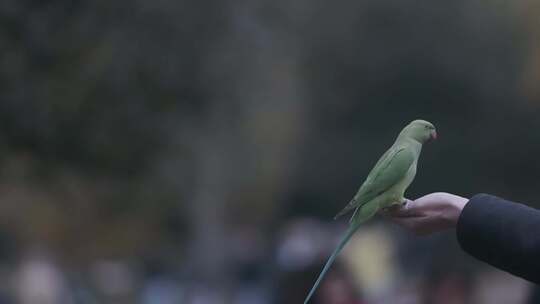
x=502 y=233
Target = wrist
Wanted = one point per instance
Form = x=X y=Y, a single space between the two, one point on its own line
x=456 y=204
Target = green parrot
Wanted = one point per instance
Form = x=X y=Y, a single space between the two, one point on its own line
x=385 y=185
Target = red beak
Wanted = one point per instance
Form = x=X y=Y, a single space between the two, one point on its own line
x=434 y=135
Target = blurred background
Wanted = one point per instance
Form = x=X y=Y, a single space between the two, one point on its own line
x=195 y=152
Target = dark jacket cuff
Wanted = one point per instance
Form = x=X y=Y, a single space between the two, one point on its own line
x=470 y=220
x=501 y=233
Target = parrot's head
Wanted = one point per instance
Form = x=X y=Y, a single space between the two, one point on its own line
x=420 y=130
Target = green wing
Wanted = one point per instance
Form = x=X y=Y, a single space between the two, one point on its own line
x=389 y=170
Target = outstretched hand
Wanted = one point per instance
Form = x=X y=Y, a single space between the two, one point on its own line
x=428 y=214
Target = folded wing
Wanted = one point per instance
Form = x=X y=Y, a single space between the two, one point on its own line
x=389 y=170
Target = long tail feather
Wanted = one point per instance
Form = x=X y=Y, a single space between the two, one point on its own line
x=342 y=212
x=331 y=259
x=351 y=205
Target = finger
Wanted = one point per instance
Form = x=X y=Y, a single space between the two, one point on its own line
x=408 y=209
x=418 y=225
x=390 y=210
x=406 y=222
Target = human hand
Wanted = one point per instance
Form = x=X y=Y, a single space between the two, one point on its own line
x=428 y=214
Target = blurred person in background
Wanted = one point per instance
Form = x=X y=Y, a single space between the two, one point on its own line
x=39 y=280
x=445 y=285
x=337 y=288
x=301 y=253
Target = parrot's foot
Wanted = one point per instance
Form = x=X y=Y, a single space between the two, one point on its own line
x=400 y=202
x=395 y=206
